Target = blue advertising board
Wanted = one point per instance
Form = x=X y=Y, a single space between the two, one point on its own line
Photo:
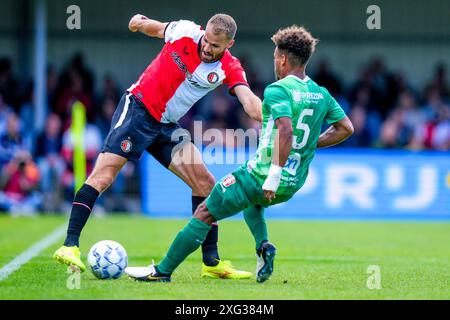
x=342 y=184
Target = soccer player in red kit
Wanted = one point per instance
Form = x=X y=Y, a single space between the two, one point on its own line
x=192 y=62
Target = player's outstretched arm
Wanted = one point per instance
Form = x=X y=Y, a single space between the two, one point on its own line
x=251 y=103
x=336 y=133
x=149 y=27
x=281 y=150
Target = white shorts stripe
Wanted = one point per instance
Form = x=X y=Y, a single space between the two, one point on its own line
x=124 y=112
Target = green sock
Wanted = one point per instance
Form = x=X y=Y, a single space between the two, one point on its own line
x=187 y=241
x=254 y=217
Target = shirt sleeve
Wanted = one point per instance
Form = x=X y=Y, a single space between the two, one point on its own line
x=278 y=102
x=335 y=112
x=235 y=77
x=176 y=30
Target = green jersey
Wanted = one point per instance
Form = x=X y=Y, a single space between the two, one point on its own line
x=308 y=105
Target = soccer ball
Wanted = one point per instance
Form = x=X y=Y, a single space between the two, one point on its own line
x=107 y=259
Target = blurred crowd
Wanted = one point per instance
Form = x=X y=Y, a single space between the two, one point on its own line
x=36 y=165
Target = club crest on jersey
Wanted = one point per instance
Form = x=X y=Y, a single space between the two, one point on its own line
x=126 y=145
x=213 y=77
x=228 y=181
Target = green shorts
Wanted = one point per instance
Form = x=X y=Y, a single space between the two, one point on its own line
x=236 y=192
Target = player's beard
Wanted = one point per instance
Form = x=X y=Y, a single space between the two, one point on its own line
x=207 y=58
x=277 y=77
x=213 y=58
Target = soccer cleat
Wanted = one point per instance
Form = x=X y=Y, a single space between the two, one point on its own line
x=264 y=261
x=147 y=274
x=69 y=256
x=224 y=270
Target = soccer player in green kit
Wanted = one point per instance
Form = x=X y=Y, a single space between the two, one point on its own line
x=294 y=109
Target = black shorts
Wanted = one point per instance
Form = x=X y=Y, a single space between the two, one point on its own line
x=134 y=130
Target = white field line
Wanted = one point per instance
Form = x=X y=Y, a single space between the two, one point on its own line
x=31 y=252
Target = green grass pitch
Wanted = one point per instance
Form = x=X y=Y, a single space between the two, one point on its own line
x=316 y=260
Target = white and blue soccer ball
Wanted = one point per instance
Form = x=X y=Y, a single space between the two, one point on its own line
x=107 y=259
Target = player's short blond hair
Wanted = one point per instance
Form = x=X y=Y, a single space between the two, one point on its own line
x=223 y=23
x=297 y=42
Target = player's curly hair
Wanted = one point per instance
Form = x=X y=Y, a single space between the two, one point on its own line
x=223 y=23
x=297 y=42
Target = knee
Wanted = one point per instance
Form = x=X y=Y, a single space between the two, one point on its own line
x=203 y=214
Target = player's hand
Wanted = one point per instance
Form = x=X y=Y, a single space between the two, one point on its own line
x=272 y=182
x=269 y=195
x=136 y=21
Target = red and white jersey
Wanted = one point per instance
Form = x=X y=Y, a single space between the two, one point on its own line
x=177 y=78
